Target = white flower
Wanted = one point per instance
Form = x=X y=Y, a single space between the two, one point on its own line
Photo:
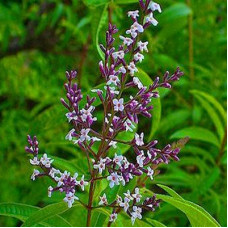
x=129 y=125
x=138 y=57
x=128 y=195
x=139 y=139
x=53 y=172
x=50 y=190
x=118 y=159
x=122 y=70
x=118 y=54
x=113 y=217
x=70 y=198
x=71 y=116
x=118 y=104
x=136 y=27
x=69 y=136
x=45 y=161
x=96 y=91
x=137 y=195
x=82 y=183
x=84 y=135
x=137 y=82
x=133 y=14
x=142 y=46
x=132 y=68
x=136 y=214
x=95 y=139
x=125 y=163
x=112 y=143
x=113 y=79
x=103 y=200
x=151 y=19
x=119 y=200
x=87 y=113
x=125 y=204
x=154 y=6
x=150 y=173
x=35 y=174
x=114 y=179
x=64 y=176
x=112 y=90
x=100 y=166
x=126 y=40
x=140 y=158
x=122 y=180
x=34 y=161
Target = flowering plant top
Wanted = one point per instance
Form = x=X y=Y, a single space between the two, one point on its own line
x=121 y=114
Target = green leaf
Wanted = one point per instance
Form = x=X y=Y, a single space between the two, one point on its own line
x=125 y=1
x=170 y=191
x=213 y=101
x=56 y=14
x=213 y=115
x=99 y=19
x=155 y=223
x=45 y=213
x=197 y=216
x=197 y=133
x=156 y=112
x=175 y=11
x=23 y=211
x=95 y=3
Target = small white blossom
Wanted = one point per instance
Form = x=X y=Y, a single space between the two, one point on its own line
x=114 y=179
x=126 y=40
x=69 y=136
x=136 y=27
x=70 y=198
x=137 y=82
x=84 y=135
x=50 y=190
x=125 y=204
x=82 y=183
x=136 y=214
x=122 y=70
x=118 y=104
x=138 y=57
x=142 y=46
x=35 y=174
x=119 y=200
x=154 y=6
x=118 y=54
x=96 y=91
x=112 y=90
x=113 y=80
x=139 y=139
x=150 y=173
x=95 y=139
x=118 y=159
x=64 y=176
x=112 y=143
x=113 y=217
x=100 y=166
x=128 y=195
x=34 y=161
x=103 y=200
x=133 y=14
x=54 y=172
x=132 y=68
x=71 y=116
x=87 y=113
x=140 y=158
x=137 y=195
x=45 y=161
x=151 y=19
x=129 y=125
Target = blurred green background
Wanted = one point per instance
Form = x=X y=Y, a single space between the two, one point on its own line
x=40 y=40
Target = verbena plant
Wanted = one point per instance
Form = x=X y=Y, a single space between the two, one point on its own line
x=124 y=98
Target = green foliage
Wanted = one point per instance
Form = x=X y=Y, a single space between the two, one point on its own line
x=35 y=51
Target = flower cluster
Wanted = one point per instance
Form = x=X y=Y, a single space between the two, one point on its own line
x=121 y=114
